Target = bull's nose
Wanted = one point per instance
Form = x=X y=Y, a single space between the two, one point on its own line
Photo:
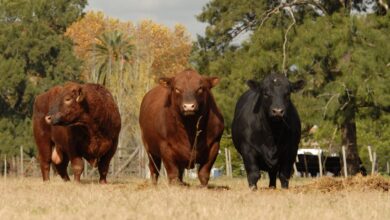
x=189 y=107
x=277 y=111
x=48 y=119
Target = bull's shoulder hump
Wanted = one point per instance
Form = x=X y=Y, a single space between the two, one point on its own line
x=247 y=99
x=156 y=95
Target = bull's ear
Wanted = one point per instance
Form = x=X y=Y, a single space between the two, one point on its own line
x=212 y=81
x=80 y=95
x=298 y=85
x=165 y=81
x=254 y=85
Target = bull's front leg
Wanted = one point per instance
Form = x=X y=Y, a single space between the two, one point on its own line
x=77 y=167
x=205 y=168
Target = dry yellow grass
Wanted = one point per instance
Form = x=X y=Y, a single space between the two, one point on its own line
x=132 y=198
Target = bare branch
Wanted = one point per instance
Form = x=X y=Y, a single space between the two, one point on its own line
x=383 y=4
x=285 y=40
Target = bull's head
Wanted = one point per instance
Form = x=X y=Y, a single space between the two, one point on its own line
x=188 y=91
x=275 y=90
x=68 y=106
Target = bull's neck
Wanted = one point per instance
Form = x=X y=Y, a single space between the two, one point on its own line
x=194 y=126
x=91 y=125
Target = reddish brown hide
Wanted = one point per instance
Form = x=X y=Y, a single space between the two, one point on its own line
x=72 y=122
x=169 y=116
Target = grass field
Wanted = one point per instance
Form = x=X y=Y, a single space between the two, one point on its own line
x=326 y=198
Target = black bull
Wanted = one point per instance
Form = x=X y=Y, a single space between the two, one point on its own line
x=266 y=129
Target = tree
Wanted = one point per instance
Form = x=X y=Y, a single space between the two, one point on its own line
x=342 y=56
x=34 y=56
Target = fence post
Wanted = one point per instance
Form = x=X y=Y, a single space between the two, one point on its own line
x=373 y=163
x=295 y=165
x=344 y=161
x=227 y=160
x=230 y=164
x=320 y=161
x=21 y=162
x=388 y=168
x=369 y=152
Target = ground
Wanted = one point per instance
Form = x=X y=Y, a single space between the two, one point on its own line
x=132 y=198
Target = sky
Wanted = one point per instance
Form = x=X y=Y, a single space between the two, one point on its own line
x=167 y=12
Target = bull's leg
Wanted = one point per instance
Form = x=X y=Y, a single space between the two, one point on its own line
x=77 y=167
x=154 y=167
x=253 y=174
x=172 y=171
x=285 y=174
x=284 y=180
x=272 y=178
x=205 y=168
x=44 y=147
x=104 y=165
x=251 y=167
x=61 y=168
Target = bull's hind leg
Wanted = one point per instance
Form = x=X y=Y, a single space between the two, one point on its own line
x=104 y=165
x=154 y=167
x=61 y=168
x=272 y=179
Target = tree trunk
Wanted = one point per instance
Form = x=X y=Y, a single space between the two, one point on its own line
x=348 y=139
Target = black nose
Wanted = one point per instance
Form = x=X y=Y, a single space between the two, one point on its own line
x=278 y=112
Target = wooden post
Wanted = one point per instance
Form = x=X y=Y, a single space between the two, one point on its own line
x=320 y=161
x=344 y=161
x=373 y=163
x=113 y=165
x=295 y=165
x=21 y=161
x=5 y=167
x=387 y=168
x=227 y=162
x=369 y=153
x=230 y=164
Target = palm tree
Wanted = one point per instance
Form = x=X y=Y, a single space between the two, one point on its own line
x=112 y=47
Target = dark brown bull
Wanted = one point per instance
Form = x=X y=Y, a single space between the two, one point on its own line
x=171 y=116
x=72 y=122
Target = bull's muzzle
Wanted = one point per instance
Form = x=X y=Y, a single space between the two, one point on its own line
x=52 y=120
x=277 y=112
x=189 y=108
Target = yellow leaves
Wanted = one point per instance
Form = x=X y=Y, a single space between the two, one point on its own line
x=167 y=50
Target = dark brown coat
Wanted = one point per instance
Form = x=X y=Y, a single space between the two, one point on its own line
x=72 y=122
x=169 y=117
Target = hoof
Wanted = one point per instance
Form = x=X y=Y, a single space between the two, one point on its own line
x=253 y=188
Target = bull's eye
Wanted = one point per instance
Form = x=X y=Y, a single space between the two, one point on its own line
x=177 y=91
x=68 y=101
x=200 y=91
x=266 y=95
